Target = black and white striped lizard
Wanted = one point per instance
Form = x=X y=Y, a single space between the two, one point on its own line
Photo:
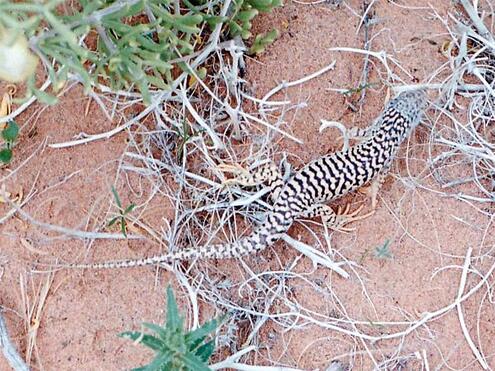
x=305 y=194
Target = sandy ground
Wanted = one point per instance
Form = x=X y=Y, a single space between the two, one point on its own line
x=85 y=310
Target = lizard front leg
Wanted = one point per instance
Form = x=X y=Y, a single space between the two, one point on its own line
x=376 y=184
x=268 y=174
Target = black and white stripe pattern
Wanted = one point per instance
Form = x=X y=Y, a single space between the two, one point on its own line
x=319 y=182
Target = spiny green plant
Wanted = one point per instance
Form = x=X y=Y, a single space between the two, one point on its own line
x=136 y=43
x=9 y=134
x=122 y=213
x=175 y=348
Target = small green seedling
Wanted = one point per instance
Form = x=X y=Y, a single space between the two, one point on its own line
x=184 y=135
x=383 y=252
x=122 y=213
x=174 y=348
x=359 y=88
x=9 y=135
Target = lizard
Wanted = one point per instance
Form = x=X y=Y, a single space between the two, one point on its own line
x=306 y=193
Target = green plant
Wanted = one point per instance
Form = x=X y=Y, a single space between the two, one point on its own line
x=174 y=348
x=185 y=135
x=122 y=213
x=359 y=89
x=261 y=41
x=9 y=134
x=244 y=11
x=133 y=44
x=383 y=252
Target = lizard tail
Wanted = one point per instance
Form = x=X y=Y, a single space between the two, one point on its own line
x=261 y=238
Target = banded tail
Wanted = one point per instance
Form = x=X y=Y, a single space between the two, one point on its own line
x=262 y=237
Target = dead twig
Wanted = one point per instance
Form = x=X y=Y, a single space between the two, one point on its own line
x=10 y=353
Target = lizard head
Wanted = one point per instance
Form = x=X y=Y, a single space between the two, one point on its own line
x=411 y=104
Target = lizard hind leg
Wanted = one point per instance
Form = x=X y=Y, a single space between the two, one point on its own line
x=336 y=220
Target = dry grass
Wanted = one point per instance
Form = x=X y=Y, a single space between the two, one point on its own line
x=192 y=127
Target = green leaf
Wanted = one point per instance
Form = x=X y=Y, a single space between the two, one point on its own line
x=235 y=29
x=112 y=221
x=133 y=335
x=205 y=351
x=190 y=20
x=213 y=20
x=158 y=82
x=261 y=41
x=45 y=98
x=116 y=197
x=129 y=208
x=185 y=47
x=123 y=226
x=143 y=88
x=148 y=340
x=260 y=4
x=202 y=73
x=5 y=155
x=65 y=57
x=245 y=34
x=11 y=131
x=126 y=11
x=116 y=26
x=247 y=15
x=194 y=363
x=62 y=29
x=146 y=42
x=162 y=332
x=186 y=29
x=161 y=362
x=174 y=320
x=202 y=331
